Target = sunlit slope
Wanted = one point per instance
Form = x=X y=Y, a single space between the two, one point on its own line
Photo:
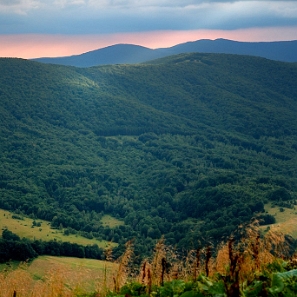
x=61 y=97
x=47 y=275
x=231 y=92
x=178 y=93
x=201 y=136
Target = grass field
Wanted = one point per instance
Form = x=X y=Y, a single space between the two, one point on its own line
x=286 y=220
x=110 y=221
x=84 y=273
x=24 y=228
x=55 y=276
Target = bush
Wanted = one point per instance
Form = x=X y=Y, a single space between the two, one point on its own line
x=266 y=219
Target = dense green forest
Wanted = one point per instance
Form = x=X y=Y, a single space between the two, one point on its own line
x=188 y=146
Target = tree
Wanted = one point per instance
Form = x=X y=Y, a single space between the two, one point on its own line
x=22 y=251
x=154 y=232
x=8 y=235
x=280 y=194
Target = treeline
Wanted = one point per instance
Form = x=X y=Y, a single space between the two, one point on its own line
x=12 y=247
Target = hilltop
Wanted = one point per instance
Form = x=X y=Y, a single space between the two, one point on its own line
x=285 y=51
x=192 y=142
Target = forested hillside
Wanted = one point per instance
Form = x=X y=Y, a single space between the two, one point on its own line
x=188 y=146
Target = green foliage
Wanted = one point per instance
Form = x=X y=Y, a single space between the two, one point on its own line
x=133 y=289
x=285 y=283
x=254 y=289
x=12 y=247
x=172 y=289
x=280 y=194
x=266 y=219
x=199 y=136
x=8 y=235
x=209 y=287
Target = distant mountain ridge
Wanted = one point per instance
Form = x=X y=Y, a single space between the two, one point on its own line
x=285 y=51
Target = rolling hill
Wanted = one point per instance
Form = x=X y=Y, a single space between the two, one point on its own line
x=285 y=51
x=188 y=146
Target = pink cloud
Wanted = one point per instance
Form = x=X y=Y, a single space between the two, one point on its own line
x=34 y=46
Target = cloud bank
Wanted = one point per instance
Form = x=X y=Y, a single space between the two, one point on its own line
x=110 y=16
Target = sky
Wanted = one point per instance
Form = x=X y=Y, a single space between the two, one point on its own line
x=52 y=28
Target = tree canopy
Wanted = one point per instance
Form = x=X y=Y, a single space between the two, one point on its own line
x=187 y=146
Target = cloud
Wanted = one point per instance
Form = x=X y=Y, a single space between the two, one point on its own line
x=10 y=2
x=111 y=16
x=67 y=3
x=18 y=6
x=287 y=11
x=28 y=5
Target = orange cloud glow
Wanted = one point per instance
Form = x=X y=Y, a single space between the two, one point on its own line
x=34 y=46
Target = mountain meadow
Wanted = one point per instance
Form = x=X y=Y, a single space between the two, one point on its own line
x=184 y=148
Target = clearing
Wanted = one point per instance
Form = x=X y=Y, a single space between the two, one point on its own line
x=286 y=219
x=23 y=227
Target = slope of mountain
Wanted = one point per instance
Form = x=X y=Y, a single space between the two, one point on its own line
x=285 y=51
x=116 y=54
x=194 y=142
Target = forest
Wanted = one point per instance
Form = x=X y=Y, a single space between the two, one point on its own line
x=188 y=146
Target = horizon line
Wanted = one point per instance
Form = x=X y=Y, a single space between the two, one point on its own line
x=34 y=46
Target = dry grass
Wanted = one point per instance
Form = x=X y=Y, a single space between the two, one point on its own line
x=54 y=276
x=123 y=270
x=286 y=221
x=237 y=261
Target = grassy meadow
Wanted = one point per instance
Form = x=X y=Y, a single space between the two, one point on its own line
x=88 y=274
x=23 y=227
x=56 y=276
x=286 y=219
x=110 y=221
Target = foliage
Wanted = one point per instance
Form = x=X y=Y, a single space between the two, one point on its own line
x=195 y=142
x=246 y=265
x=12 y=247
x=27 y=227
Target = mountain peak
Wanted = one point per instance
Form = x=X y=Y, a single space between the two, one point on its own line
x=123 y=53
